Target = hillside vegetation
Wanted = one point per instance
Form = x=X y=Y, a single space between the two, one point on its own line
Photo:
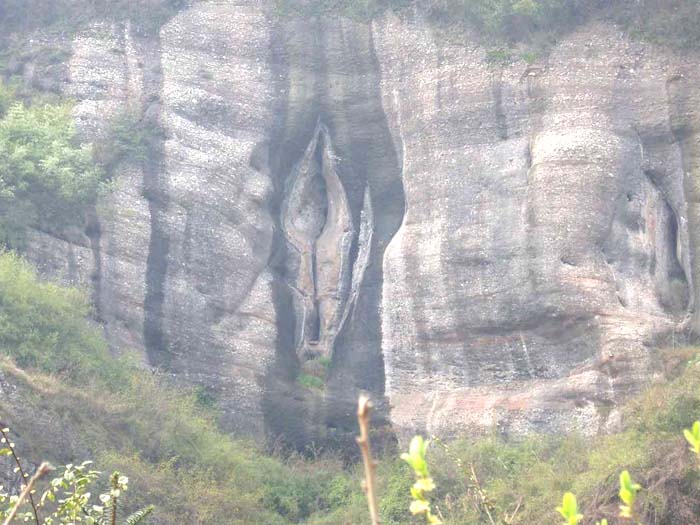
x=496 y=480
x=147 y=15
x=506 y=22
x=67 y=399
x=47 y=178
x=498 y=22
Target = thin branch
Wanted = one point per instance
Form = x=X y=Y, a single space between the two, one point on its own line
x=364 y=407
x=510 y=519
x=113 y=501
x=11 y=446
x=27 y=491
x=481 y=504
x=482 y=494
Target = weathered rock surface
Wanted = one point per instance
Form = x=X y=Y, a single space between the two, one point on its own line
x=481 y=246
x=546 y=239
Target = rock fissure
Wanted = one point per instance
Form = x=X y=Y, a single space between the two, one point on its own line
x=155 y=192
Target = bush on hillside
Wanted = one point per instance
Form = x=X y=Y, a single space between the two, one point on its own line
x=43 y=326
x=47 y=179
x=506 y=22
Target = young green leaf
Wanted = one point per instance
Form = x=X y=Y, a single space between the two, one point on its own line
x=693 y=437
x=416 y=458
x=628 y=494
x=569 y=509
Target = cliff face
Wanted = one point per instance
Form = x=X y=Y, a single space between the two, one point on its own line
x=479 y=245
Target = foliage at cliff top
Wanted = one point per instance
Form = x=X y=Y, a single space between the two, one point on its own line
x=147 y=15
x=670 y=22
x=47 y=179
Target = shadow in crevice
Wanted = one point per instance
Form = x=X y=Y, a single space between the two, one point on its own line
x=346 y=119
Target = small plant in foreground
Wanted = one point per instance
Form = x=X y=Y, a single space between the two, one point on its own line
x=692 y=435
x=628 y=495
x=67 y=500
x=569 y=509
x=424 y=483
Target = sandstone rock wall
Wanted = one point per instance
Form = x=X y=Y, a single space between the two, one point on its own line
x=479 y=246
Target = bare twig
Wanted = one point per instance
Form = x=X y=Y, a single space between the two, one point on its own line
x=481 y=504
x=27 y=491
x=482 y=494
x=11 y=446
x=364 y=408
x=510 y=519
x=115 y=485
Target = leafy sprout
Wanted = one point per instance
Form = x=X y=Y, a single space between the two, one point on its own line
x=569 y=509
x=693 y=437
x=416 y=458
x=628 y=495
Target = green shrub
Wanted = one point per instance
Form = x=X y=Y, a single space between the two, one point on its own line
x=47 y=180
x=71 y=399
x=130 y=138
x=509 y=20
x=147 y=15
x=523 y=479
x=498 y=22
x=7 y=98
x=311 y=382
x=67 y=500
x=675 y=23
x=395 y=491
x=43 y=326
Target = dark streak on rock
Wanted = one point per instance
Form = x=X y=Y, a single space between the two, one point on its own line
x=93 y=230
x=350 y=105
x=155 y=339
x=282 y=413
x=498 y=111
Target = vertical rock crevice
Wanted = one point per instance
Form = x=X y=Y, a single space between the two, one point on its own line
x=156 y=194
x=93 y=230
x=284 y=410
x=339 y=201
x=376 y=196
x=685 y=131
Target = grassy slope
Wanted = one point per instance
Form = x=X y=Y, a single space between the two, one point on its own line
x=70 y=401
x=67 y=400
x=525 y=479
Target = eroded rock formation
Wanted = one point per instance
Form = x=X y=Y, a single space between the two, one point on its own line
x=479 y=245
x=317 y=222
